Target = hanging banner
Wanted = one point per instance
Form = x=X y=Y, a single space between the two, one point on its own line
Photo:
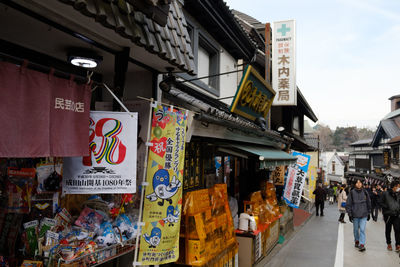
x=284 y=63
x=42 y=115
x=159 y=242
x=295 y=180
x=111 y=166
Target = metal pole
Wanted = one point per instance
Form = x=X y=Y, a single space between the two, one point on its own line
x=144 y=184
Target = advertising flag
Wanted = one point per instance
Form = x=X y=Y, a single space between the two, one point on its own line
x=295 y=180
x=159 y=242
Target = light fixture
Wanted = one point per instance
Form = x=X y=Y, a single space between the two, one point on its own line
x=83 y=62
x=83 y=58
x=281 y=129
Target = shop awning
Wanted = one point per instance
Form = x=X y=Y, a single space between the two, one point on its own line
x=269 y=157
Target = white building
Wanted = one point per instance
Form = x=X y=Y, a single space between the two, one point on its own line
x=333 y=165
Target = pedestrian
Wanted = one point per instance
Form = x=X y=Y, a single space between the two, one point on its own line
x=380 y=191
x=358 y=207
x=374 y=203
x=342 y=197
x=390 y=203
x=334 y=193
x=320 y=196
x=330 y=194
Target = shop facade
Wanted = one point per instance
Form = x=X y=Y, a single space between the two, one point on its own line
x=131 y=45
x=180 y=64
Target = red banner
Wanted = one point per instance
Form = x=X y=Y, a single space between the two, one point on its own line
x=42 y=115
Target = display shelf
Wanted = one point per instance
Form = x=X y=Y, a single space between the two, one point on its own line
x=96 y=258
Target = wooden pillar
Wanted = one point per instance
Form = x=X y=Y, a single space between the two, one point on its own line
x=120 y=69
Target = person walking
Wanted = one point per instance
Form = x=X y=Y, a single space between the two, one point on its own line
x=342 y=197
x=358 y=207
x=335 y=193
x=330 y=194
x=390 y=203
x=320 y=196
x=374 y=203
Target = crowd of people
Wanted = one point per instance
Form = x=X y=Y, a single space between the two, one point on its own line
x=362 y=202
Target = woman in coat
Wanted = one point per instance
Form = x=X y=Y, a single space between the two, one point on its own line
x=342 y=197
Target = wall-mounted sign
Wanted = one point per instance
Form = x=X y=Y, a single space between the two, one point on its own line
x=254 y=96
x=110 y=167
x=386 y=158
x=284 y=63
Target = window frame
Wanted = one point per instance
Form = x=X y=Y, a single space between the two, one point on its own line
x=201 y=38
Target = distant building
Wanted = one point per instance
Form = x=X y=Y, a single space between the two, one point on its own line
x=336 y=167
x=387 y=139
x=333 y=166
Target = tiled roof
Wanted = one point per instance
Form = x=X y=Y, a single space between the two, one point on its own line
x=392 y=114
x=250 y=25
x=249 y=19
x=344 y=158
x=390 y=127
x=219 y=21
x=362 y=142
x=170 y=42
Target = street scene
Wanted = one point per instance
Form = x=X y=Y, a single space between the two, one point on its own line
x=199 y=133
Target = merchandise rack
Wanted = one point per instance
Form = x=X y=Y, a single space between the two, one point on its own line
x=97 y=257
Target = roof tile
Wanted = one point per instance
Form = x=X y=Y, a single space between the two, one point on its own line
x=171 y=42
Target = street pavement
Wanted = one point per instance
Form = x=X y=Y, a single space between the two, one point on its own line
x=316 y=244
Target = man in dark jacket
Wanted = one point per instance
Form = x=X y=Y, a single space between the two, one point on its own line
x=358 y=207
x=390 y=203
x=320 y=196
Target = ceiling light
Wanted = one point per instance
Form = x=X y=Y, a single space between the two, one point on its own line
x=83 y=58
x=83 y=62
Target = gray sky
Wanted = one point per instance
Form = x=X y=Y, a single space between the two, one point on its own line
x=348 y=54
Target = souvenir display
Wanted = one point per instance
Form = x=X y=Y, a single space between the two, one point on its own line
x=208 y=235
x=36 y=231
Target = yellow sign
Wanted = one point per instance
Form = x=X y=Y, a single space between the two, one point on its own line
x=159 y=243
x=254 y=96
x=312 y=180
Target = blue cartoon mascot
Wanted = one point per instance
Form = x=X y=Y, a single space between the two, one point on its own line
x=172 y=216
x=163 y=188
x=154 y=239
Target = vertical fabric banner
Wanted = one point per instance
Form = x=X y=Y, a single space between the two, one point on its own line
x=295 y=180
x=111 y=166
x=159 y=242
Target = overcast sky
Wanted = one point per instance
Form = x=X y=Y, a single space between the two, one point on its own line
x=348 y=54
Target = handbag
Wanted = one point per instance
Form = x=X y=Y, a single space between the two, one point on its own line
x=343 y=204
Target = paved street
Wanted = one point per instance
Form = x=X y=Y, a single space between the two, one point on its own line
x=316 y=244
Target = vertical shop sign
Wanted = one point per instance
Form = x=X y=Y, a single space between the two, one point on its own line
x=278 y=175
x=111 y=166
x=284 y=63
x=295 y=180
x=159 y=242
